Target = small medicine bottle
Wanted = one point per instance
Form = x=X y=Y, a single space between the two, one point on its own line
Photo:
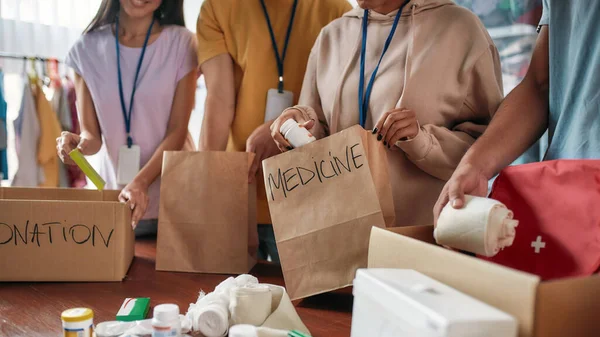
x=78 y=322
x=165 y=321
x=295 y=134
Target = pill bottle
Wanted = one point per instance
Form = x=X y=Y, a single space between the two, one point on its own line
x=295 y=134
x=165 y=321
x=78 y=322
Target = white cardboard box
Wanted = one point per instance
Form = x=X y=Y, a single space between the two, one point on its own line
x=406 y=303
x=560 y=308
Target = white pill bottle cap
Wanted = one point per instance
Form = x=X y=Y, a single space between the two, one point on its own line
x=287 y=126
x=166 y=312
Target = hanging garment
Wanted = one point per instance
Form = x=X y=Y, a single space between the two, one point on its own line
x=76 y=176
x=3 y=132
x=49 y=131
x=60 y=105
x=27 y=131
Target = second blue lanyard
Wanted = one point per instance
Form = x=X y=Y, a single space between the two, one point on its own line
x=364 y=96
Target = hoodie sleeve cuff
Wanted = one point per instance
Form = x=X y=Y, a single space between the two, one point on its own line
x=417 y=148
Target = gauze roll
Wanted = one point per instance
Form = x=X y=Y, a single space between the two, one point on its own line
x=483 y=226
x=250 y=305
x=252 y=331
x=212 y=321
x=210 y=313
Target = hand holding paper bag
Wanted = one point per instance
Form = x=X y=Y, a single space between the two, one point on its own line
x=483 y=226
x=324 y=198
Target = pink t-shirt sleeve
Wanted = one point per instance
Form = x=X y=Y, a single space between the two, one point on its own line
x=187 y=59
x=74 y=57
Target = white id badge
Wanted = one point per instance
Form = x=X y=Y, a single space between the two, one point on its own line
x=277 y=102
x=129 y=164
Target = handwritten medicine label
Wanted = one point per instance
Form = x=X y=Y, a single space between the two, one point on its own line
x=283 y=181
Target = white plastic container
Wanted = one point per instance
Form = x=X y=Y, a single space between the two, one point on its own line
x=165 y=321
x=405 y=303
x=78 y=322
x=295 y=134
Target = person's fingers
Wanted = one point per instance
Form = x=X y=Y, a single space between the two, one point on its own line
x=308 y=125
x=125 y=197
x=65 y=158
x=456 y=193
x=66 y=142
x=70 y=139
x=138 y=213
x=379 y=125
x=296 y=115
x=83 y=145
x=62 y=152
x=440 y=204
x=281 y=142
x=398 y=131
x=392 y=118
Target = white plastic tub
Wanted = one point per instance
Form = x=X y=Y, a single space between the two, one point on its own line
x=405 y=303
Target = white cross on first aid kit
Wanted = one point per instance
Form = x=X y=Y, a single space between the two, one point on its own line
x=538 y=244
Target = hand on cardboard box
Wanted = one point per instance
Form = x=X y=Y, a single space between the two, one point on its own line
x=467 y=179
x=261 y=143
x=135 y=195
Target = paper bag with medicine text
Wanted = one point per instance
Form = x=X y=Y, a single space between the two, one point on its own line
x=324 y=198
x=207 y=214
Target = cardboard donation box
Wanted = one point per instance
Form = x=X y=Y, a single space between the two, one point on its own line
x=207 y=214
x=64 y=235
x=565 y=307
x=324 y=198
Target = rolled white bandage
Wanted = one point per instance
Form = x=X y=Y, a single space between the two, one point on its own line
x=250 y=304
x=210 y=313
x=252 y=331
x=483 y=226
x=213 y=320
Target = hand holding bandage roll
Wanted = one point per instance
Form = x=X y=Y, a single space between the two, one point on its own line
x=483 y=226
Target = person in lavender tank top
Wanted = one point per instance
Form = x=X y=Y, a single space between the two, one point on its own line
x=155 y=48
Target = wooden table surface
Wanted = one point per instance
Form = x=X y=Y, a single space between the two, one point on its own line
x=33 y=309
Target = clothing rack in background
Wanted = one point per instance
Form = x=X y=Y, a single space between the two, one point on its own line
x=25 y=58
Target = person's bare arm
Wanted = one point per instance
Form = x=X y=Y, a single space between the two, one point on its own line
x=135 y=194
x=219 y=108
x=521 y=119
x=89 y=141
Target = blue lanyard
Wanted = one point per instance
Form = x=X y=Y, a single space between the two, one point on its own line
x=280 y=58
x=365 y=97
x=127 y=114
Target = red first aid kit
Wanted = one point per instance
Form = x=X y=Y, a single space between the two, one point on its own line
x=557 y=204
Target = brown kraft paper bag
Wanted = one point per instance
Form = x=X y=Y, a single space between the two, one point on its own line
x=324 y=198
x=207 y=214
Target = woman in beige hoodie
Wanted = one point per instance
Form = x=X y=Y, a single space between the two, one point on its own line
x=434 y=93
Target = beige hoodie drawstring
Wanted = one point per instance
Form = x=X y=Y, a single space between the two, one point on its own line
x=409 y=52
x=335 y=111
